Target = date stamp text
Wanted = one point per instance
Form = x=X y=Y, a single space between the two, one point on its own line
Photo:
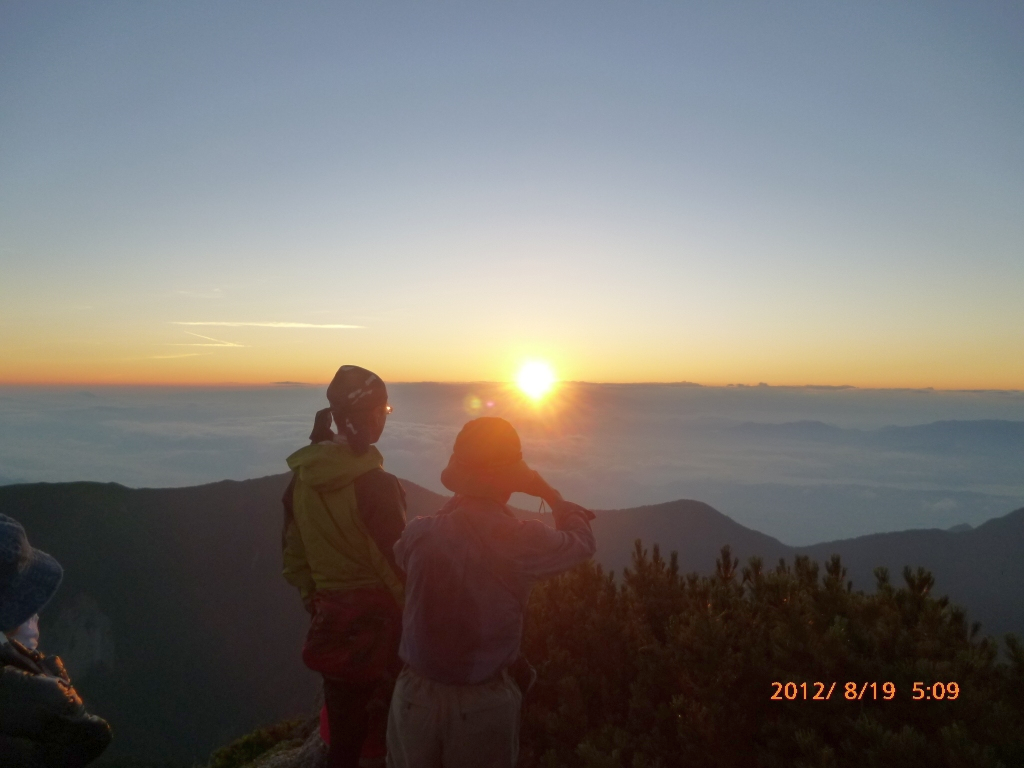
x=873 y=691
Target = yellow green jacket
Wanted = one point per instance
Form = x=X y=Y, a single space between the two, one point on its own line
x=330 y=542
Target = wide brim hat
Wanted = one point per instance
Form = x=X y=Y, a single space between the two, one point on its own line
x=29 y=577
x=487 y=460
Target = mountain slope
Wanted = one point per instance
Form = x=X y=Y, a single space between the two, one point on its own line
x=173 y=616
x=205 y=633
x=692 y=528
x=981 y=569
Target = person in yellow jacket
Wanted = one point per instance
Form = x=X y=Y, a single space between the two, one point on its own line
x=343 y=515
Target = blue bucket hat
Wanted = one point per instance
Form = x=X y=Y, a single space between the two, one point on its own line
x=28 y=577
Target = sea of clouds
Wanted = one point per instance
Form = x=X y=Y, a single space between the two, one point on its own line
x=802 y=464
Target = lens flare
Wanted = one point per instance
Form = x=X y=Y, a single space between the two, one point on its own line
x=536 y=379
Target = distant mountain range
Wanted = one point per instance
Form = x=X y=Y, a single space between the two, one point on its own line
x=986 y=435
x=980 y=568
x=176 y=625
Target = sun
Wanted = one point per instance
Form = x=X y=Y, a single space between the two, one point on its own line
x=536 y=379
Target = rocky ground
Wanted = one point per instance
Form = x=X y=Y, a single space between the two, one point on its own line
x=311 y=753
x=290 y=744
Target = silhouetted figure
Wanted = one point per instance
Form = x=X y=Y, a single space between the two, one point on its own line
x=469 y=571
x=43 y=723
x=343 y=515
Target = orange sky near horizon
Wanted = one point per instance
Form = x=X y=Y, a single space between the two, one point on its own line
x=260 y=357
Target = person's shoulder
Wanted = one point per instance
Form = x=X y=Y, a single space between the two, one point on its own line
x=421 y=522
x=379 y=476
x=378 y=481
x=422 y=527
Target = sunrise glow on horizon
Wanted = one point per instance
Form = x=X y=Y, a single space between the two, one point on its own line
x=246 y=354
x=250 y=353
x=719 y=195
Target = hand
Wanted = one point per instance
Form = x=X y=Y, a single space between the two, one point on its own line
x=535 y=485
x=565 y=508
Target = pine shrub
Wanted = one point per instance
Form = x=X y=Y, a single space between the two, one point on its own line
x=661 y=669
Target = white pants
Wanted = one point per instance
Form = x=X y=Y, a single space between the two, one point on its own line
x=431 y=725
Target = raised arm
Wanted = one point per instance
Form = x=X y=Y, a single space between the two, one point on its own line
x=541 y=552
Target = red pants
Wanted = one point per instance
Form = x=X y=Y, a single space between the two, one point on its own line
x=353 y=642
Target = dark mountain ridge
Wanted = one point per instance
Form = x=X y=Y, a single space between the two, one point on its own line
x=177 y=626
x=694 y=529
x=981 y=569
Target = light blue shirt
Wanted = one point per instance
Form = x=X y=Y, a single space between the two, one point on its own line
x=469 y=571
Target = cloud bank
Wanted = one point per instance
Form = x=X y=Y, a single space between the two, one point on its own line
x=802 y=465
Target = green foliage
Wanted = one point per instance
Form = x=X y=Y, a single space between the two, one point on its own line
x=662 y=669
x=241 y=752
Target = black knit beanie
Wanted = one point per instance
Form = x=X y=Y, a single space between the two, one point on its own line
x=356 y=389
x=353 y=393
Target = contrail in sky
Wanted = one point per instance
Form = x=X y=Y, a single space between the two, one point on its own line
x=232 y=324
x=217 y=342
x=170 y=357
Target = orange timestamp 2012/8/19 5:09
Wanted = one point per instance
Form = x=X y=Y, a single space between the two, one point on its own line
x=857 y=691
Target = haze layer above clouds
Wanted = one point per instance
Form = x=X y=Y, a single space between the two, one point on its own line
x=802 y=464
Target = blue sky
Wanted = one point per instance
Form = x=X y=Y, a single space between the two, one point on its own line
x=795 y=193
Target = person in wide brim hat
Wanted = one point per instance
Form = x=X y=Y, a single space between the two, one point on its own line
x=42 y=718
x=469 y=570
x=28 y=577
